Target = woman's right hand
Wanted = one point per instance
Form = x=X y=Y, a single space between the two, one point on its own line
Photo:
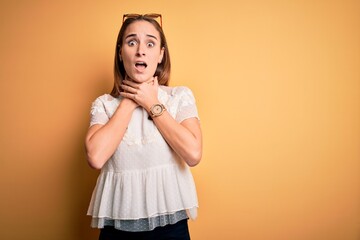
x=128 y=102
x=144 y=94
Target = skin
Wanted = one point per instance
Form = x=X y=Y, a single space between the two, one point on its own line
x=142 y=43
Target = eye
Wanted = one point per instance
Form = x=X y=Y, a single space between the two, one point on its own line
x=131 y=43
x=150 y=44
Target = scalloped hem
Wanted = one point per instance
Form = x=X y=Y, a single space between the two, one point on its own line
x=140 y=225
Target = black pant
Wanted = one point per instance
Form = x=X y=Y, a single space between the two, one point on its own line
x=177 y=231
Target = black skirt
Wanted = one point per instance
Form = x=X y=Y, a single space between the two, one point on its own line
x=177 y=231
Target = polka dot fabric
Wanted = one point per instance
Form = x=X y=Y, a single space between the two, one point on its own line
x=144 y=184
x=143 y=224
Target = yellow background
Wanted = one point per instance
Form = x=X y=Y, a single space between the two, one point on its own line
x=278 y=90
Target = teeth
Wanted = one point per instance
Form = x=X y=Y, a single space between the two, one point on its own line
x=141 y=63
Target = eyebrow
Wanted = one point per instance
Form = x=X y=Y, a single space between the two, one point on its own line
x=134 y=35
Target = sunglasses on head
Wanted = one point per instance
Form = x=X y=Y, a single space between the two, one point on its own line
x=149 y=15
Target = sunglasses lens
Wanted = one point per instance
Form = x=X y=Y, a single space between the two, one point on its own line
x=150 y=15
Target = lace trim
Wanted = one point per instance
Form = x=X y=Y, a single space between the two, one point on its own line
x=140 y=225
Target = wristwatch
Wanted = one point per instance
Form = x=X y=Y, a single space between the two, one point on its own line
x=156 y=110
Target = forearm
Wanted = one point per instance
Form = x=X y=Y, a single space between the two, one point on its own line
x=185 y=138
x=102 y=140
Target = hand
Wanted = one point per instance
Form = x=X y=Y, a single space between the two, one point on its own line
x=144 y=94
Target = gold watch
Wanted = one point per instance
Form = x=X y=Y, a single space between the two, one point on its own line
x=156 y=110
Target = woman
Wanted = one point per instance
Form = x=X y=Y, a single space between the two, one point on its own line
x=143 y=136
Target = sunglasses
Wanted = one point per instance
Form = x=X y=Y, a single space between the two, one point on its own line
x=149 y=15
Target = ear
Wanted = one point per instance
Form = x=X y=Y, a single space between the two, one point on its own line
x=162 y=51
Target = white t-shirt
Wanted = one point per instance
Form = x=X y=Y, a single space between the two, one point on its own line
x=144 y=178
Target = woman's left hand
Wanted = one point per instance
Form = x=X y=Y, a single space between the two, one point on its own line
x=145 y=94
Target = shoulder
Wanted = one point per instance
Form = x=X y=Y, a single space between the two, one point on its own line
x=103 y=103
x=176 y=98
x=177 y=90
x=105 y=98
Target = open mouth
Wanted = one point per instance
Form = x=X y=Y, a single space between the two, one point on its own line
x=140 y=65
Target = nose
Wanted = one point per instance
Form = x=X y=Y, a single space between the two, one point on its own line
x=141 y=50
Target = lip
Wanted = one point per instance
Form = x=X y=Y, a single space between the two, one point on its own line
x=140 y=65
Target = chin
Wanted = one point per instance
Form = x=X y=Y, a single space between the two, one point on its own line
x=140 y=78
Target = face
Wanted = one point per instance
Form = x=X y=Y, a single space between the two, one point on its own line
x=141 y=51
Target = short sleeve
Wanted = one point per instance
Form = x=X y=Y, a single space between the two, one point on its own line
x=98 y=114
x=187 y=106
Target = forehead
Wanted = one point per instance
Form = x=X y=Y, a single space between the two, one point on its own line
x=142 y=28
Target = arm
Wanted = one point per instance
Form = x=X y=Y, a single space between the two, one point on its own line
x=185 y=138
x=102 y=140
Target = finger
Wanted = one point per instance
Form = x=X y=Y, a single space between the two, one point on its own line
x=128 y=95
x=124 y=94
x=131 y=83
x=129 y=89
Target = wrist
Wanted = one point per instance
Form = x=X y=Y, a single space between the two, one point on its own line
x=128 y=104
x=156 y=110
x=149 y=106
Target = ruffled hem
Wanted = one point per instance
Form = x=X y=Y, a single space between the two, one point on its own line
x=132 y=195
x=144 y=224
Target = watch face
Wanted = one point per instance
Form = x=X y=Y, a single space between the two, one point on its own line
x=157 y=109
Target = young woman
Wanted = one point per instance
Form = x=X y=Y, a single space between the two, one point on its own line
x=144 y=137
